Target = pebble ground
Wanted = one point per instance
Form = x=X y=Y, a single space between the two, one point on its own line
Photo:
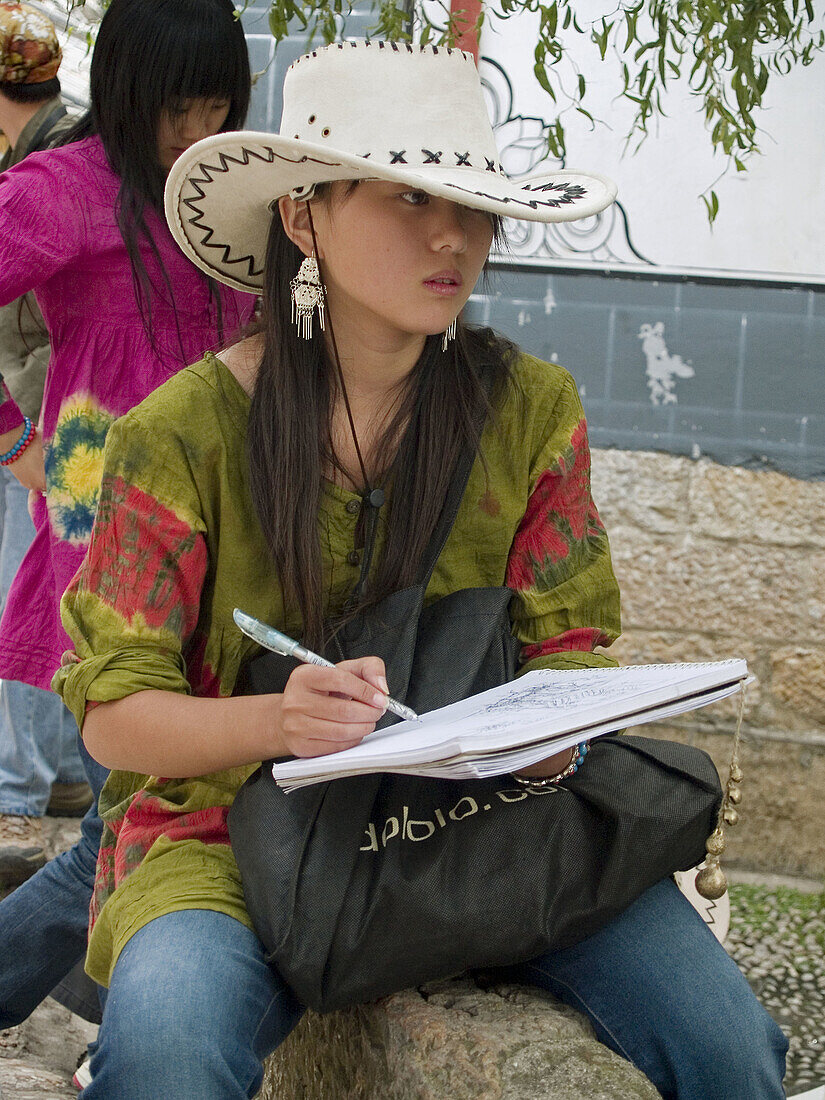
x=777 y=936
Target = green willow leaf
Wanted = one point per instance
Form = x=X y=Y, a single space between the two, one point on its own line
x=551 y=21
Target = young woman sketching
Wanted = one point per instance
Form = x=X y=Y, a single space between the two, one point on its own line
x=300 y=474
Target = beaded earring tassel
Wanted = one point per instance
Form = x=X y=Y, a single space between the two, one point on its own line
x=308 y=292
x=449 y=334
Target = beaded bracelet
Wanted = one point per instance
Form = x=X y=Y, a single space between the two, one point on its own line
x=22 y=443
x=542 y=782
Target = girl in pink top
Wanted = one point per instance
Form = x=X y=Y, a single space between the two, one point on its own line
x=83 y=227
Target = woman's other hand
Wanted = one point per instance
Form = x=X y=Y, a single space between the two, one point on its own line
x=29 y=468
x=326 y=710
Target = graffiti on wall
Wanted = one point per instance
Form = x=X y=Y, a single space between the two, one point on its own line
x=662 y=368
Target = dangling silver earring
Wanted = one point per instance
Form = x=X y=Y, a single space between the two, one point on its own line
x=449 y=334
x=307 y=292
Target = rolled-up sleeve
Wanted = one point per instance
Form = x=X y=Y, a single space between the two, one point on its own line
x=10 y=414
x=134 y=603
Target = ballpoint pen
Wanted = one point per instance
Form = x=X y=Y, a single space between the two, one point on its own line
x=274 y=640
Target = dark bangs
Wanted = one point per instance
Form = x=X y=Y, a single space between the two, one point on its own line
x=201 y=60
x=154 y=54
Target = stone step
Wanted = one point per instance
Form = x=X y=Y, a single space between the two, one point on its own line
x=452 y=1040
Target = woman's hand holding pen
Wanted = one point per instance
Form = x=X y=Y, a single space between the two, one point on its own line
x=322 y=709
x=325 y=710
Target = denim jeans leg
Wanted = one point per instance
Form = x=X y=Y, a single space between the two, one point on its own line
x=44 y=922
x=193 y=1010
x=37 y=732
x=662 y=992
x=76 y=990
x=95 y=774
x=44 y=926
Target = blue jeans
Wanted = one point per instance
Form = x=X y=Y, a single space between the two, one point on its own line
x=661 y=991
x=38 y=735
x=193 y=1009
x=44 y=923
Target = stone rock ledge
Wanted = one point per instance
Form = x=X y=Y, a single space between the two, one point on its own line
x=19 y=1080
x=38 y=1058
x=452 y=1041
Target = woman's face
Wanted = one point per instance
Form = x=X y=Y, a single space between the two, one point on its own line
x=182 y=126
x=398 y=262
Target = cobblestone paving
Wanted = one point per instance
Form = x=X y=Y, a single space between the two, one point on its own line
x=777 y=937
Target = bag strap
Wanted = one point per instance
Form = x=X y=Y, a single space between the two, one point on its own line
x=449 y=511
x=455 y=494
x=51 y=119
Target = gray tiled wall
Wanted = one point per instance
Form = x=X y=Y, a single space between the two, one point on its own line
x=757 y=394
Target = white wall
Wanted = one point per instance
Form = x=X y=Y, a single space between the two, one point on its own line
x=772 y=219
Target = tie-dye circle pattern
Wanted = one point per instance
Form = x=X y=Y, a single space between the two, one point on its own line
x=74 y=466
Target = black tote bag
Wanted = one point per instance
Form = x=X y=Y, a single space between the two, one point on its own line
x=362 y=886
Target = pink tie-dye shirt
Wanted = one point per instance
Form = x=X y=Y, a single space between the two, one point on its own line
x=59 y=237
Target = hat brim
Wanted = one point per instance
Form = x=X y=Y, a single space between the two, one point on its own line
x=219 y=194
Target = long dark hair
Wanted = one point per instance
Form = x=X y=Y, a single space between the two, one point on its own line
x=150 y=56
x=289 y=442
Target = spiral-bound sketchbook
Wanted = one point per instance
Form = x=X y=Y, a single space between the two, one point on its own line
x=520 y=723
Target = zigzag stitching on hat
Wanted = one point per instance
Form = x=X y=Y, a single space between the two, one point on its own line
x=571 y=191
x=226 y=161
x=534 y=204
x=382 y=44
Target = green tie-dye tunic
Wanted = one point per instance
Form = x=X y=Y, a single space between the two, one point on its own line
x=177 y=545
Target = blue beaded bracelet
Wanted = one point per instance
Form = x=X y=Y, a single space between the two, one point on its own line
x=542 y=782
x=21 y=444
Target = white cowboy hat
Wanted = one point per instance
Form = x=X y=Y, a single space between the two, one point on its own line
x=359 y=110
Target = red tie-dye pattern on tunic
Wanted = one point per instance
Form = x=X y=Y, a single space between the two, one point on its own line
x=560 y=529
x=145 y=560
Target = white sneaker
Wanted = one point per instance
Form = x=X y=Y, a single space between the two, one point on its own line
x=82 y=1075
